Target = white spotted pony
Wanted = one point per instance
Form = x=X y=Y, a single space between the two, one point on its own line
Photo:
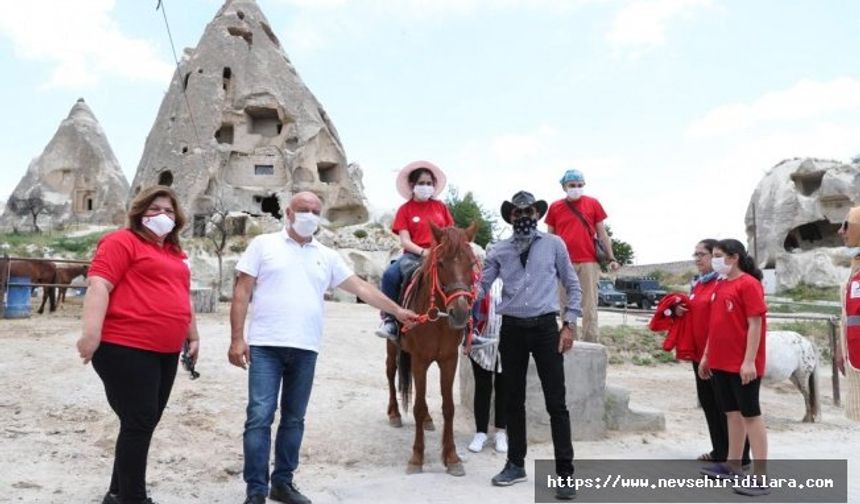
x=792 y=356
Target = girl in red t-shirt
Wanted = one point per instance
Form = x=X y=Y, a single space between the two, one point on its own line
x=734 y=356
x=420 y=182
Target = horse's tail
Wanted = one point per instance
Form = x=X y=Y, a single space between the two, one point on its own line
x=814 y=399
x=404 y=377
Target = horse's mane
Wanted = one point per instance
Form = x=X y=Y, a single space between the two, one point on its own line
x=453 y=240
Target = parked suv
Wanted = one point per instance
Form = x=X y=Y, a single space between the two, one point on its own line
x=643 y=292
x=608 y=295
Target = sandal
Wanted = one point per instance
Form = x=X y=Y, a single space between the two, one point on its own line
x=706 y=457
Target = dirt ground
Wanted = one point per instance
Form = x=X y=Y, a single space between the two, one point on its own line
x=57 y=431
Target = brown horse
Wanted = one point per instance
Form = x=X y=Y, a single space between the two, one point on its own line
x=443 y=291
x=37 y=272
x=65 y=275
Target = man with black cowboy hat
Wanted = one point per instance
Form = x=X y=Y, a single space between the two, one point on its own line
x=531 y=264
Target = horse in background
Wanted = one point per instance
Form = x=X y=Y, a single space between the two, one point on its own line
x=65 y=275
x=792 y=356
x=38 y=272
x=443 y=289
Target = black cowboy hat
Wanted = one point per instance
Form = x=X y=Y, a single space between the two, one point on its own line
x=522 y=199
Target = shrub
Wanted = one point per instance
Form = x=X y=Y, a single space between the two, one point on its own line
x=360 y=234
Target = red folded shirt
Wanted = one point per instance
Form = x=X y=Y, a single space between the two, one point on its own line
x=680 y=336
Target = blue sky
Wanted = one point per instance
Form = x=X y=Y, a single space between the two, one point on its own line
x=673 y=109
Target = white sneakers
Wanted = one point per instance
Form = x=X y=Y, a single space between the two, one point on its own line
x=477 y=443
x=480 y=439
x=501 y=442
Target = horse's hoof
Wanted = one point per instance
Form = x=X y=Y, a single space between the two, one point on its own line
x=414 y=469
x=429 y=425
x=395 y=422
x=456 y=469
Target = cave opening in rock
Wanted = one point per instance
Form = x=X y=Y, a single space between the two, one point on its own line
x=269 y=205
x=812 y=235
x=241 y=32
x=807 y=183
x=224 y=135
x=166 y=178
x=264 y=121
x=328 y=172
x=226 y=77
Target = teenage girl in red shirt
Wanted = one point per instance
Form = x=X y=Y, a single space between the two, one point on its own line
x=420 y=182
x=734 y=357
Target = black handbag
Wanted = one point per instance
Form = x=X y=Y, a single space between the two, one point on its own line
x=599 y=249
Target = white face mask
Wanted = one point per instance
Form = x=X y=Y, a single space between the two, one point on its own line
x=719 y=265
x=306 y=224
x=423 y=192
x=574 y=193
x=160 y=224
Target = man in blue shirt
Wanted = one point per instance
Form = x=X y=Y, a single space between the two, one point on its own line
x=531 y=264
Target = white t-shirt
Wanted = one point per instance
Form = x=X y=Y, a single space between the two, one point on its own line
x=287 y=305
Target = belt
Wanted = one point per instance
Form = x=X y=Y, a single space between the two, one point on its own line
x=529 y=321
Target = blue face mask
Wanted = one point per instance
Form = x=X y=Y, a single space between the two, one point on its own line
x=853 y=251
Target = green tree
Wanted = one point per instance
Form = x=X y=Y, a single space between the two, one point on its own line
x=622 y=250
x=466 y=210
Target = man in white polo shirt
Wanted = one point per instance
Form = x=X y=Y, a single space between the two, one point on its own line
x=288 y=273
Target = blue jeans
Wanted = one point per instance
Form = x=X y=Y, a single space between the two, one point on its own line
x=269 y=367
x=392 y=278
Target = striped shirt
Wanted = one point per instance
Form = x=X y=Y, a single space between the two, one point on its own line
x=532 y=290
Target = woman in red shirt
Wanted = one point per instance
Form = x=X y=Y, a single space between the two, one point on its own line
x=734 y=357
x=699 y=309
x=420 y=182
x=137 y=316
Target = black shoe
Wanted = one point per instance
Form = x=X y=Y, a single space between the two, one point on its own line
x=287 y=492
x=510 y=474
x=111 y=498
x=255 y=499
x=565 y=493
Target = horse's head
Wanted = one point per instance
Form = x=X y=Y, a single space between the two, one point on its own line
x=455 y=267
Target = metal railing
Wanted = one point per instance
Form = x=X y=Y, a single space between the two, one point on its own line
x=832 y=321
x=7 y=262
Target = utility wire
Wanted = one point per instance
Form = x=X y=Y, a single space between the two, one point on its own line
x=160 y=6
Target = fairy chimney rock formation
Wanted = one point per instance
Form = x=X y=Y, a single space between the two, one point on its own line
x=794 y=216
x=255 y=133
x=77 y=177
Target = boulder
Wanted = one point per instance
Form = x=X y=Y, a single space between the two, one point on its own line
x=823 y=267
x=794 y=216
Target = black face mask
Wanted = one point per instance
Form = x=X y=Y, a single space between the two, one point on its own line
x=525 y=226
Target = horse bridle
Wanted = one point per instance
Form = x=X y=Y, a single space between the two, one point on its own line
x=447 y=294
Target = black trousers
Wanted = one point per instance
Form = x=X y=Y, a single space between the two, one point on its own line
x=137 y=384
x=538 y=338
x=716 y=418
x=484 y=384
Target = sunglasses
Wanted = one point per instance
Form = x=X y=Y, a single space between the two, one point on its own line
x=524 y=212
x=699 y=255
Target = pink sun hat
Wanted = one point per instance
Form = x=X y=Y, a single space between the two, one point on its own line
x=403 y=178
